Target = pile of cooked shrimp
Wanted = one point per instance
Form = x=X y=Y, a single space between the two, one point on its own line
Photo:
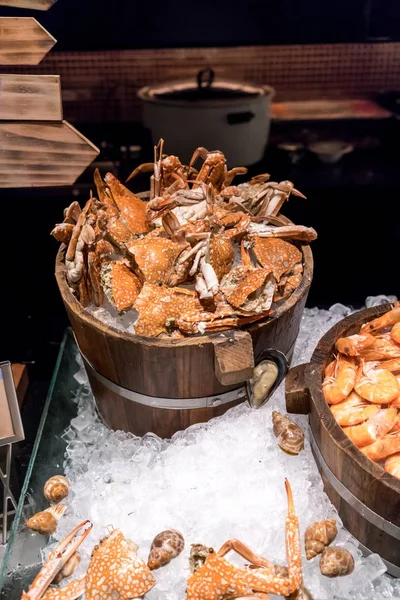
x=362 y=387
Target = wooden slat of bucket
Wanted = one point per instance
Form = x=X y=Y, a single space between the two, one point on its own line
x=23 y=41
x=30 y=98
x=45 y=154
x=32 y=4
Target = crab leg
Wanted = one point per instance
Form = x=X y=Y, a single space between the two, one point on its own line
x=72 y=591
x=56 y=561
x=292 y=232
x=244 y=551
x=192 y=251
x=262 y=580
x=209 y=275
x=201 y=288
x=143 y=168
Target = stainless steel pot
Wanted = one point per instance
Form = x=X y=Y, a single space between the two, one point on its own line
x=228 y=116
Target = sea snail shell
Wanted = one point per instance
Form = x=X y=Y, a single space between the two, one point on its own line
x=43 y=522
x=166 y=546
x=56 y=488
x=336 y=562
x=318 y=535
x=290 y=435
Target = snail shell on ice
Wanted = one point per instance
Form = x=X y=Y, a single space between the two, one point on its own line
x=56 y=488
x=318 y=535
x=166 y=546
x=68 y=568
x=290 y=436
x=43 y=522
x=336 y=562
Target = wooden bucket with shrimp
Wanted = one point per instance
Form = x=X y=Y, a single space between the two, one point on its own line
x=366 y=496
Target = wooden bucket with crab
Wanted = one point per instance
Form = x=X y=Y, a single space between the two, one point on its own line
x=193 y=352
x=365 y=493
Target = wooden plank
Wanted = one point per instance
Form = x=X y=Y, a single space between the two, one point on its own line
x=30 y=98
x=23 y=41
x=21 y=381
x=32 y=4
x=42 y=155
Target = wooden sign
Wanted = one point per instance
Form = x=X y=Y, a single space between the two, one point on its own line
x=32 y=4
x=30 y=98
x=11 y=429
x=23 y=41
x=42 y=155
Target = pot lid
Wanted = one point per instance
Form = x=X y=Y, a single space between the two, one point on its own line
x=204 y=90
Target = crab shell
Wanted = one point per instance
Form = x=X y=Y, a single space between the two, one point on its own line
x=156 y=257
x=159 y=305
x=132 y=208
x=276 y=255
x=120 y=284
x=116 y=571
x=220 y=254
x=243 y=281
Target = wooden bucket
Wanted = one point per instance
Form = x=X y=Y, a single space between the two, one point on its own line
x=146 y=384
x=365 y=495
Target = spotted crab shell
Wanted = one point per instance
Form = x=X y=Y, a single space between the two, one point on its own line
x=116 y=571
x=56 y=488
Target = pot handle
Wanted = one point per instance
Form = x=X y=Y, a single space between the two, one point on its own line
x=205 y=78
x=233 y=357
x=296 y=390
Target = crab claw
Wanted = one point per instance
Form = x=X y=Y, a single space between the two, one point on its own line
x=56 y=561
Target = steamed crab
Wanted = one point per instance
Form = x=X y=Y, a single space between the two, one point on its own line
x=218 y=579
x=115 y=569
x=187 y=236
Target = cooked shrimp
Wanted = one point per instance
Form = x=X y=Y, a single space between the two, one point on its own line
x=353 y=410
x=395 y=333
x=352 y=344
x=376 y=385
x=389 y=318
x=388 y=445
x=383 y=348
x=396 y=425
x=392 y=465
x=340 y=376
x=392 y=365
x=375 y=428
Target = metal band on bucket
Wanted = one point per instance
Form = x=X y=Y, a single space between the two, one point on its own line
x=168 y=403
x=368 y=514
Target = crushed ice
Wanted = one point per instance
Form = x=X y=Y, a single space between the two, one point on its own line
x=213 y=482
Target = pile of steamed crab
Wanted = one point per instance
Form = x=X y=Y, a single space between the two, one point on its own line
x=201 y=254
x=362 y=387
x=116 y=571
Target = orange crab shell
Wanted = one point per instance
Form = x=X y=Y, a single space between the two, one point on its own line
x=221 y=254
x=115 y=571
x=157 y=305
x=245 y=280
x=155 y=257
x=218 y=579
x=131 y=207
x=125 y=285
x=276 y=255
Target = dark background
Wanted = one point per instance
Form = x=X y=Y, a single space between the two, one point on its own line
x=121 y=24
